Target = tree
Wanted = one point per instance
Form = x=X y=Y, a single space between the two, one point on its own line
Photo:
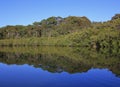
x=117 y=16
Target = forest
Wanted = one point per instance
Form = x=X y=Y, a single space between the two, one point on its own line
x=71 y=31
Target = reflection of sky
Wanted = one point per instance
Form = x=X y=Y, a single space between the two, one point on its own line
x=28 y=76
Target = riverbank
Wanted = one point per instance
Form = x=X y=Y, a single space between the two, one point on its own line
x=93 y=38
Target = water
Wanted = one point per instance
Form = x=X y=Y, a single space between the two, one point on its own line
x=58 y=67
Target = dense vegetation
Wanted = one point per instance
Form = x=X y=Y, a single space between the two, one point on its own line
x=69 y=31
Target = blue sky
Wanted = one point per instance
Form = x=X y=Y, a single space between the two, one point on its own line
x=24 y=12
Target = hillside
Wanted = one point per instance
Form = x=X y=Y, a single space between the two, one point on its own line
x=69 y=31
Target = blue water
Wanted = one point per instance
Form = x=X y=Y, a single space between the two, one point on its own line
x=29 y=76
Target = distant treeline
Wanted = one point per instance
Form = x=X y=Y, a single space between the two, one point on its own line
x=72 y=30
x=52 y=27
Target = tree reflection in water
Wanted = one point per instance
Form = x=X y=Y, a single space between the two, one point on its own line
x=59 y=59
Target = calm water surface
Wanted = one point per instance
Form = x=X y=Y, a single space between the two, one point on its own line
x=58 y=67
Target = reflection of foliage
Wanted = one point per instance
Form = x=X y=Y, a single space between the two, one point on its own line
x=58 y=59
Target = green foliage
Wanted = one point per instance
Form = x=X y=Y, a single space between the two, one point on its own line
x=69 y=31
x=117 y=16
x=51 y=27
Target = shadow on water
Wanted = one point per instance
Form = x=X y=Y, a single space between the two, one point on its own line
x=59 y=59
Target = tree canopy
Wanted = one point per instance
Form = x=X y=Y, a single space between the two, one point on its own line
x=70 y=31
